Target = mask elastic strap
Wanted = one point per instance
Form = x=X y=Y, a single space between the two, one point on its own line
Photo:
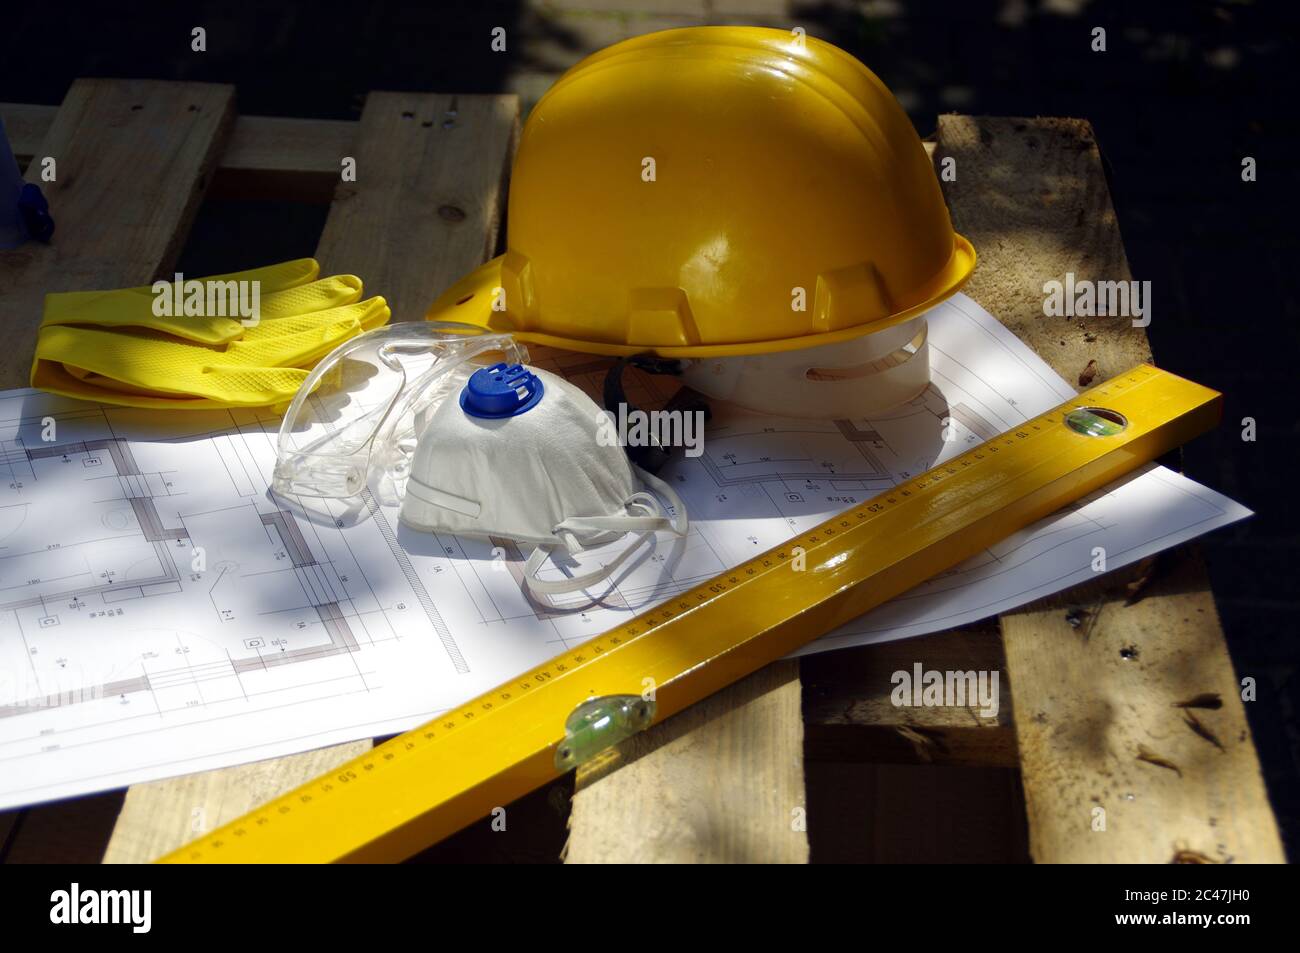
x=554 y=587
x=680 y=523
x=645 y=526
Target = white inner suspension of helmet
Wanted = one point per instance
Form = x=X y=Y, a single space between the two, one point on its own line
x=856 y=378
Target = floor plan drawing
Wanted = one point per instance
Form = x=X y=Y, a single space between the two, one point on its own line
x=124 y=551
x=161 y=611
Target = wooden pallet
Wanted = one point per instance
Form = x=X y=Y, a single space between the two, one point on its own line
x=725 y=780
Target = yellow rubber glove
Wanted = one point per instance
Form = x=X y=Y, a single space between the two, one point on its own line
x=117 y=351
x=80 y=350
x=134 y=307
x=145 y=368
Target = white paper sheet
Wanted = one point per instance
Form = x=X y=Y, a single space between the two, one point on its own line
x=161 y=613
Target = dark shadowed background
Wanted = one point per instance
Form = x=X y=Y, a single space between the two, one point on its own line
x=1183 y=93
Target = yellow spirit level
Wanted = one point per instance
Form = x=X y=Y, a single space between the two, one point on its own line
x=433 y=780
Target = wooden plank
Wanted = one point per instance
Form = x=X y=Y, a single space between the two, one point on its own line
x=850 y=716
x=721 y=782
x=385 y=228
x=1099 y=722
x=161 y=815
x=426 y=206
x=267 y=157
x=256 y=144
x=1032 y=197
x=1103 y=727
x=132 y=160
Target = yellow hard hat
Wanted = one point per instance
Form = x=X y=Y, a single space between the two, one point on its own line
x=715 y=191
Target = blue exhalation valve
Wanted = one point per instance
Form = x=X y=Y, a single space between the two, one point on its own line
x=501 y=391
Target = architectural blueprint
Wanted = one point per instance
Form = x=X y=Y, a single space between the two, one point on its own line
x=162 y=612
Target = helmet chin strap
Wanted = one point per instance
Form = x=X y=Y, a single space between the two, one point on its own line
x=653 y=457
x=645 y=522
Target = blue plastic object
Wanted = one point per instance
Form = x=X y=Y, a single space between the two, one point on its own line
x=24 y=213
x=501 y=391
x=35 y=213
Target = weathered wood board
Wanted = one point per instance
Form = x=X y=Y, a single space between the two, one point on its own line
x=1102 y=732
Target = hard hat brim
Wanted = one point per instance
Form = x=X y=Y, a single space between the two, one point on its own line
x=478 y=299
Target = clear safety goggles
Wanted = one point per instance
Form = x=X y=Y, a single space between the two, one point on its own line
x=356 y=415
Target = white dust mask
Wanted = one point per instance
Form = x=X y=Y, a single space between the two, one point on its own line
x=517 y=456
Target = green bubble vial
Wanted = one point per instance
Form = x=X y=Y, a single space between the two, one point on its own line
x=1096 y=421
x=600 y=723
